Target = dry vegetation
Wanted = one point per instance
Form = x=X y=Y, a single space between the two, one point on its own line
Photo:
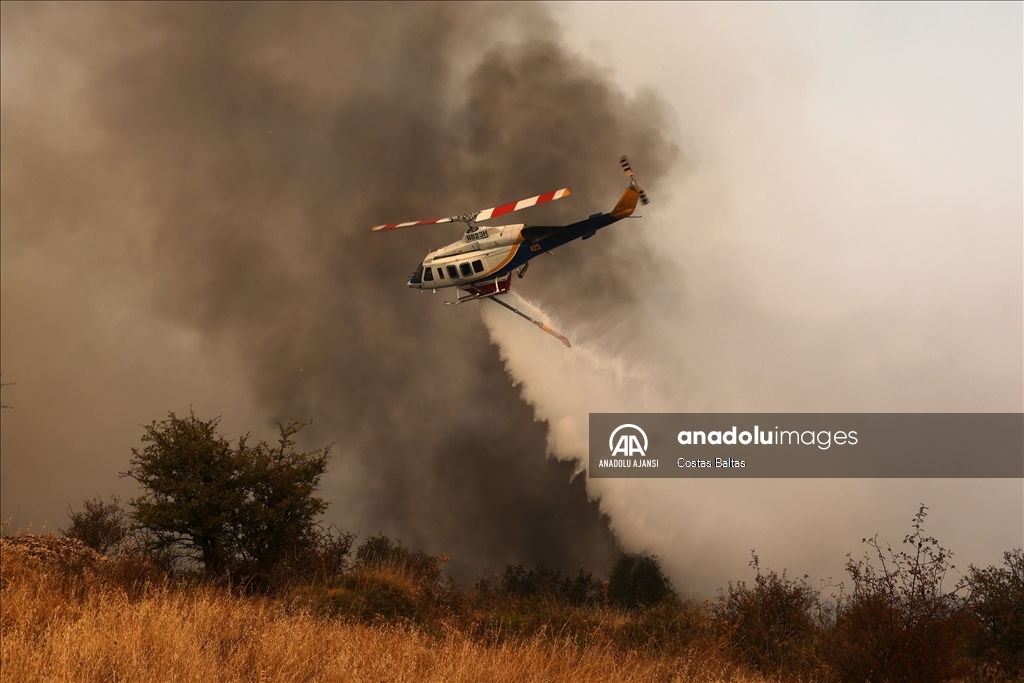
x=68 y=614
x=221 y=572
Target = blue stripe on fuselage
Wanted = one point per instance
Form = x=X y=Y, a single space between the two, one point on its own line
x=551 y=237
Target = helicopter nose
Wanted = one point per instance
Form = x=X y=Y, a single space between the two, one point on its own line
x=416 y=278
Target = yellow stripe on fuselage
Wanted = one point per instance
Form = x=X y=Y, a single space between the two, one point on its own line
x=513 y=250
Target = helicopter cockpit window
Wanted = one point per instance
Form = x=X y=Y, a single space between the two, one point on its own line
x=478 y=266
x=466 y=270
x=452 y=273
x=428 y=274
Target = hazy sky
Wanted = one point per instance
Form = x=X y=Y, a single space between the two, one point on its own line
x=836 y=225
x=848 y=237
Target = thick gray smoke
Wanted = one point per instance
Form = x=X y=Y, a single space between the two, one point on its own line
x=237 y=155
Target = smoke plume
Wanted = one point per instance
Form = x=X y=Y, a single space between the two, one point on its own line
x=844 y=237
x=199 y=180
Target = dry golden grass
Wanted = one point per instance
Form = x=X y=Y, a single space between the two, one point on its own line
x=61 y=623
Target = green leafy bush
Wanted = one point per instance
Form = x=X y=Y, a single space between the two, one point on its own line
x=246 y=511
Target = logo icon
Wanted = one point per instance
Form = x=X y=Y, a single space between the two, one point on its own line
x=628 y=444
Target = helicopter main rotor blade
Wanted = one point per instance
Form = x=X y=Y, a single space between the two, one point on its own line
x=492 y=212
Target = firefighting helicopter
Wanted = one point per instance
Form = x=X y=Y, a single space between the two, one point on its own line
x=481 y=264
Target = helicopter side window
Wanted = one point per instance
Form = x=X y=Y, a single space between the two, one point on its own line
x=466 y=270
x=478 y=266
x=440 y=273
x=452 y=273
x=428 y=274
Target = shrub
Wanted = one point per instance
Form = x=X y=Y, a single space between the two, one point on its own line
x=245 y=510
x=388 y=582
x=104 y=527
x=772 y=625
x=321 y=557
x=637 y=581
x=899 y=624
x=669 y=627
x=369 y=596
x=996 y=603
x=380 y=551
x=549 y=584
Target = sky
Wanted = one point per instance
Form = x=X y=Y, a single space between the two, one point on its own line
x=836 y=225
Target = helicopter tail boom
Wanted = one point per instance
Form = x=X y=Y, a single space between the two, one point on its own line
x=627 y=203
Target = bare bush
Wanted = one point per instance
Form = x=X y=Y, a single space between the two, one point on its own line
x=899 y=623
x=104 y=527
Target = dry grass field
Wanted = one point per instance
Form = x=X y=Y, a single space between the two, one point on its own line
x=67 y=614
x=70 y=614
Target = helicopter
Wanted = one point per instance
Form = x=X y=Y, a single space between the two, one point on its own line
x=481 y=264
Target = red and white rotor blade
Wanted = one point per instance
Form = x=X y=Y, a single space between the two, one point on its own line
x=431 y=221
x=496 y=211
x=492 y=212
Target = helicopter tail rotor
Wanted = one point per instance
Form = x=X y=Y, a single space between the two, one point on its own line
x=632 y=181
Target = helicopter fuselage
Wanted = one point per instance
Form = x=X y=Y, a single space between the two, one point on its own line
x=485 y=258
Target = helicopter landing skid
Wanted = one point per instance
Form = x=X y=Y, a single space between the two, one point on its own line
x=471 y=297
x=482 y=290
